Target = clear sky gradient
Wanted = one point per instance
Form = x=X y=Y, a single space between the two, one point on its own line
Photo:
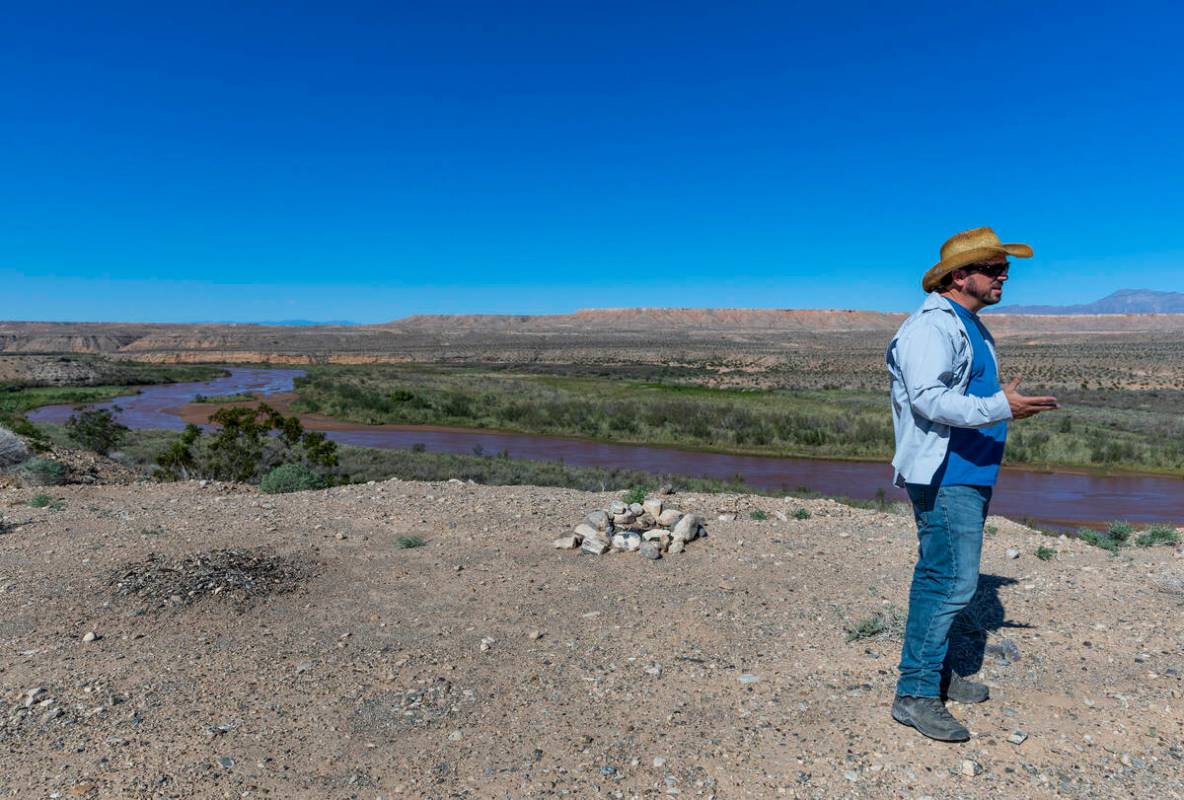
x=367 y=161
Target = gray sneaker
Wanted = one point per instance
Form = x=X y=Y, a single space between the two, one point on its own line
x=930 y=717
x=960 y=690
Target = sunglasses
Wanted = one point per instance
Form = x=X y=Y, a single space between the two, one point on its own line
x=990 y=270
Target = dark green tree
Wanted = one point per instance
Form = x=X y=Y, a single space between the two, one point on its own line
x=96 y=430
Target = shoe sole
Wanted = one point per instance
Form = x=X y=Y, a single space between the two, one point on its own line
x=908 y=722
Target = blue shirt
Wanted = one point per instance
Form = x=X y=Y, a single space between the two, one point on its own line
x=974 y=454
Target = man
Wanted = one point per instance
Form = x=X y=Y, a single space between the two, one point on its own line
x=950 y=416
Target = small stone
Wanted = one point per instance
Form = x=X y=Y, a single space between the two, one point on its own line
x=617 y=507
x=1013 y=552
x=226 y=762
x=651 y=550
x=971 y=768
x=340 y=536
x=654 y=669
x=535 y=635
x=90 y=636
x=303 y=666
x=653 y=507
x=486 y=644
x=598 y=520
x=624 y=520
x=665 y=488
x=748 y=677
x=727 y=517
x=595 y=545
x=677 y=546
x=569 y=542
x=455 y=736
x=636 y=509
x=659 y=762
x=1018 y=737
x=851 y=775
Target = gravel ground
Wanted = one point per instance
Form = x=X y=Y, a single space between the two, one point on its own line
x=190 y=641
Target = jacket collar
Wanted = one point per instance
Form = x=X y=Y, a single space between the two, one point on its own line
x=935 y=302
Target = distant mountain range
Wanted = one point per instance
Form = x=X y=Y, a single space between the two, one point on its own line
x=1124 y=301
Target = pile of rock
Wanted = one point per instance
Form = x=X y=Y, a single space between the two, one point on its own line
x=646 y=528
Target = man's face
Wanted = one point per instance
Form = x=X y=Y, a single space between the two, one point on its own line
x=984 y=280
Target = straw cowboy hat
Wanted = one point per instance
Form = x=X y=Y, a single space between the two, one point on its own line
x=969 y=247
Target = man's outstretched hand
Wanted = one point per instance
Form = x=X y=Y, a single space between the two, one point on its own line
x=1024 y=406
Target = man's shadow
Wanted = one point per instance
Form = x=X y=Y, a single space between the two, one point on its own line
x=970 y=635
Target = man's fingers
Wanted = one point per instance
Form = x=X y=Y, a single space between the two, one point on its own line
x=1013 y=384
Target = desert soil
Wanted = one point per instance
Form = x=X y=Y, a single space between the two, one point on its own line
x=318 y=659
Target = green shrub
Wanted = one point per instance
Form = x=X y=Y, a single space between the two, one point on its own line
x=45 y=501
x=759 y=515
x=43 y=472
x=1100 y=539
x=802 y=513
x=408 y=542
x=1120 y=531
x=1045 y=553
x=885 y=624
x=634 y=495
x=290 y=478
x=1158 y=534
x=96 y=430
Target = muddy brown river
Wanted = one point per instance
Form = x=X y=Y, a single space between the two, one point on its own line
x=1050 y=499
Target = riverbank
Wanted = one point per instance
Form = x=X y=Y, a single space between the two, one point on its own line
x=1060 y=499
x=1105 y=431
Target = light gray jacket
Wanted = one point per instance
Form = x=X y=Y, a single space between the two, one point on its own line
x=929 y=360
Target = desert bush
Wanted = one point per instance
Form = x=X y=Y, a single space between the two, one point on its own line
x=250 y=442
x=1120 y=531
x=801 y=513
x=96 y=429
x=42 y=472
x=290 y=478
x=12 y=449
x=634 y=495
x=886 y=623
x=759 y=515
x=1101 y=539
x=409 y=542
x=1045 y=553
x=1158 y=534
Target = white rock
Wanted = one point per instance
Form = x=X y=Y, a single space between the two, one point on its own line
x=1013 y=552
x=617 y=507
x=653 y=507
x=598 y=520
x=586 y=531
x=90 y=636
x=637 y=509
x=971 y=768
x=677 y=546
x=687 y=528
x=628 y=518
x=569 y=542
x=669 y=517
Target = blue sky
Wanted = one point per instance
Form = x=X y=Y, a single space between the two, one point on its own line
x=367 y=161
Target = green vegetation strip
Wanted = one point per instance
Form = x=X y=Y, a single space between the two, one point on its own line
x=1103 y=429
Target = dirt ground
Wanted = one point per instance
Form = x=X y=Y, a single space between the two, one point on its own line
x=286 y=646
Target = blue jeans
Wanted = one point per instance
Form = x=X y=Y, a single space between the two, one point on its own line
x=950 y=532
